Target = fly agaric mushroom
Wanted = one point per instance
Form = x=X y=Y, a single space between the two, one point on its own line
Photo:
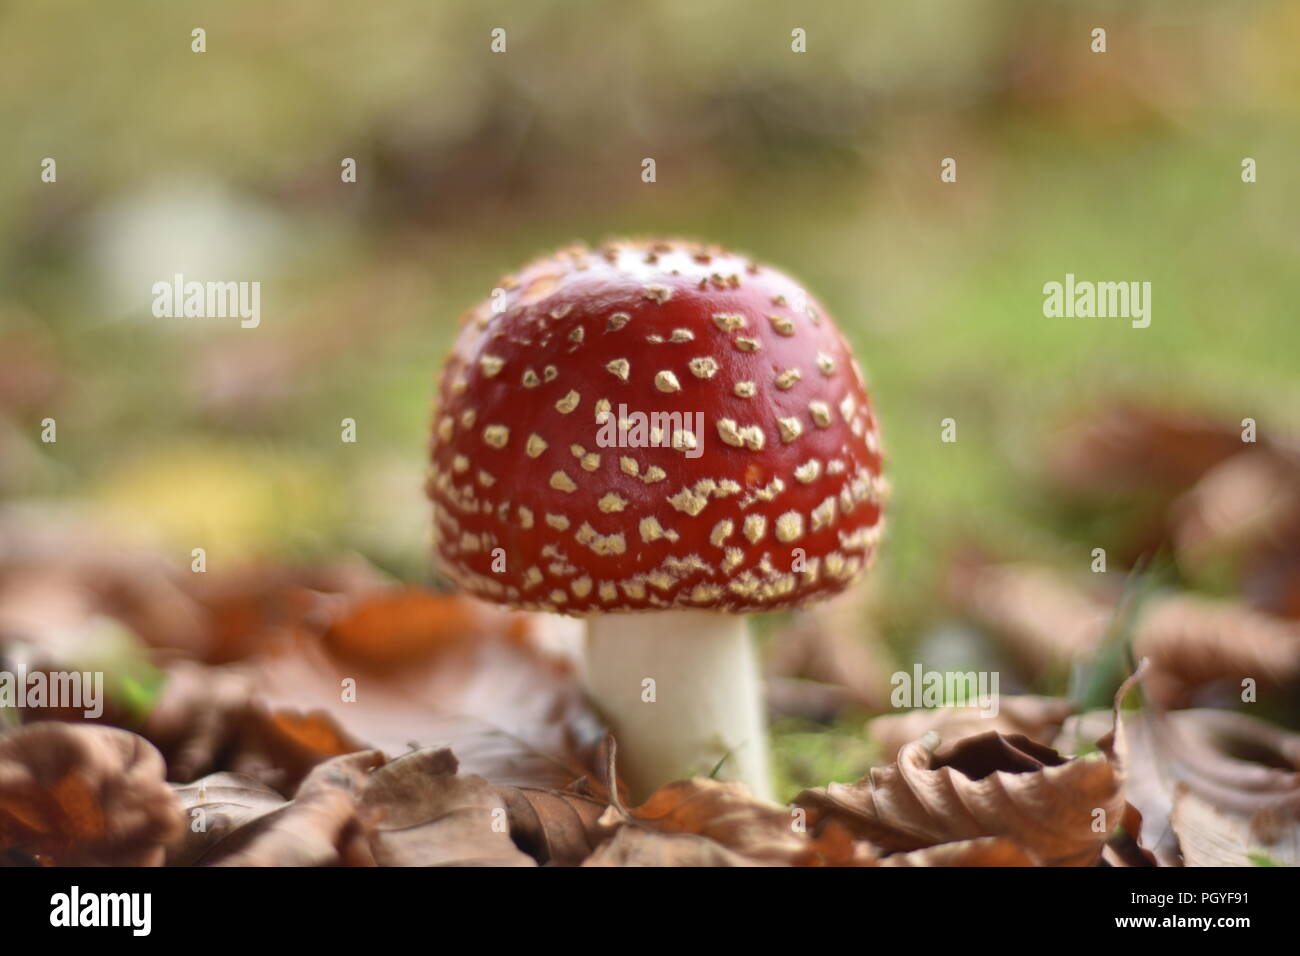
x=657 y=427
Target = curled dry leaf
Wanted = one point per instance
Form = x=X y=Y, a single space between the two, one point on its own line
x=1146 y=815
x=1245 y=770
x=1210 y=836
x=75 y=795
x=1038 y=718
x=447 y=708
x=1058 y=810
x=419 y=812
x=556 y=827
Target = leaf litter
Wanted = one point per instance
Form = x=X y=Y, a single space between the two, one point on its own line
x=324 y=716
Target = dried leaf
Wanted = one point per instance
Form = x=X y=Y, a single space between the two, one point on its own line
x=987 y=785
x=1131 y=447
x=421 y=813
x=1209 y=836
x=1240 y=766
x=413 y=811
x=57 y=569
x=75 y=795
x=1041 y=618
x=209 y=719
x=1038 y=718
x=1244 y=508
x=245 y=609
x=1192 y=641
x=396 y=628
x=725 y=813
x=556 y=827
x=215 y=807
x=318 y=828
x=1147 y=812
x=512 y=713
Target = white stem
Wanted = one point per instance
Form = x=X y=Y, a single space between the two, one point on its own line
x=705 y=703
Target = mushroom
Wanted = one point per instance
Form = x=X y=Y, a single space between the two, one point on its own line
x=661 y=437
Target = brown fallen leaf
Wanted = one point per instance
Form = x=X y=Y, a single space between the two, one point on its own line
x=1210 y=836
x=1272 y=583
x=1131 y=446
x=1244 y=509
x=511 y=712
x=75 y=795
x=555 y=827
x=320 y=827
x=395 y=628
x=727 y=817
x=709 y=823
x=724 y=812
x=1038 y=718
x=57 y=567
x=1192 y=641
x=246 y=608
x=419 y=812
x=1058 y=810
x=209 y=719
x=1040 y=617
x=53 y=563
x=215 y=807
x=413 y=811
x=1244 y=769
x=1123 y=848
x=428 y=708
x=1139 y=844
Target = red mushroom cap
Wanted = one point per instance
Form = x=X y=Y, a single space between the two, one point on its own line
x=777 y=501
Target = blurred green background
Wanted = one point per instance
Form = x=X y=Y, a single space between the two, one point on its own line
x=225 y=165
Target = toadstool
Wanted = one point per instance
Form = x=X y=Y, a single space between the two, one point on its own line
x=661 y=437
